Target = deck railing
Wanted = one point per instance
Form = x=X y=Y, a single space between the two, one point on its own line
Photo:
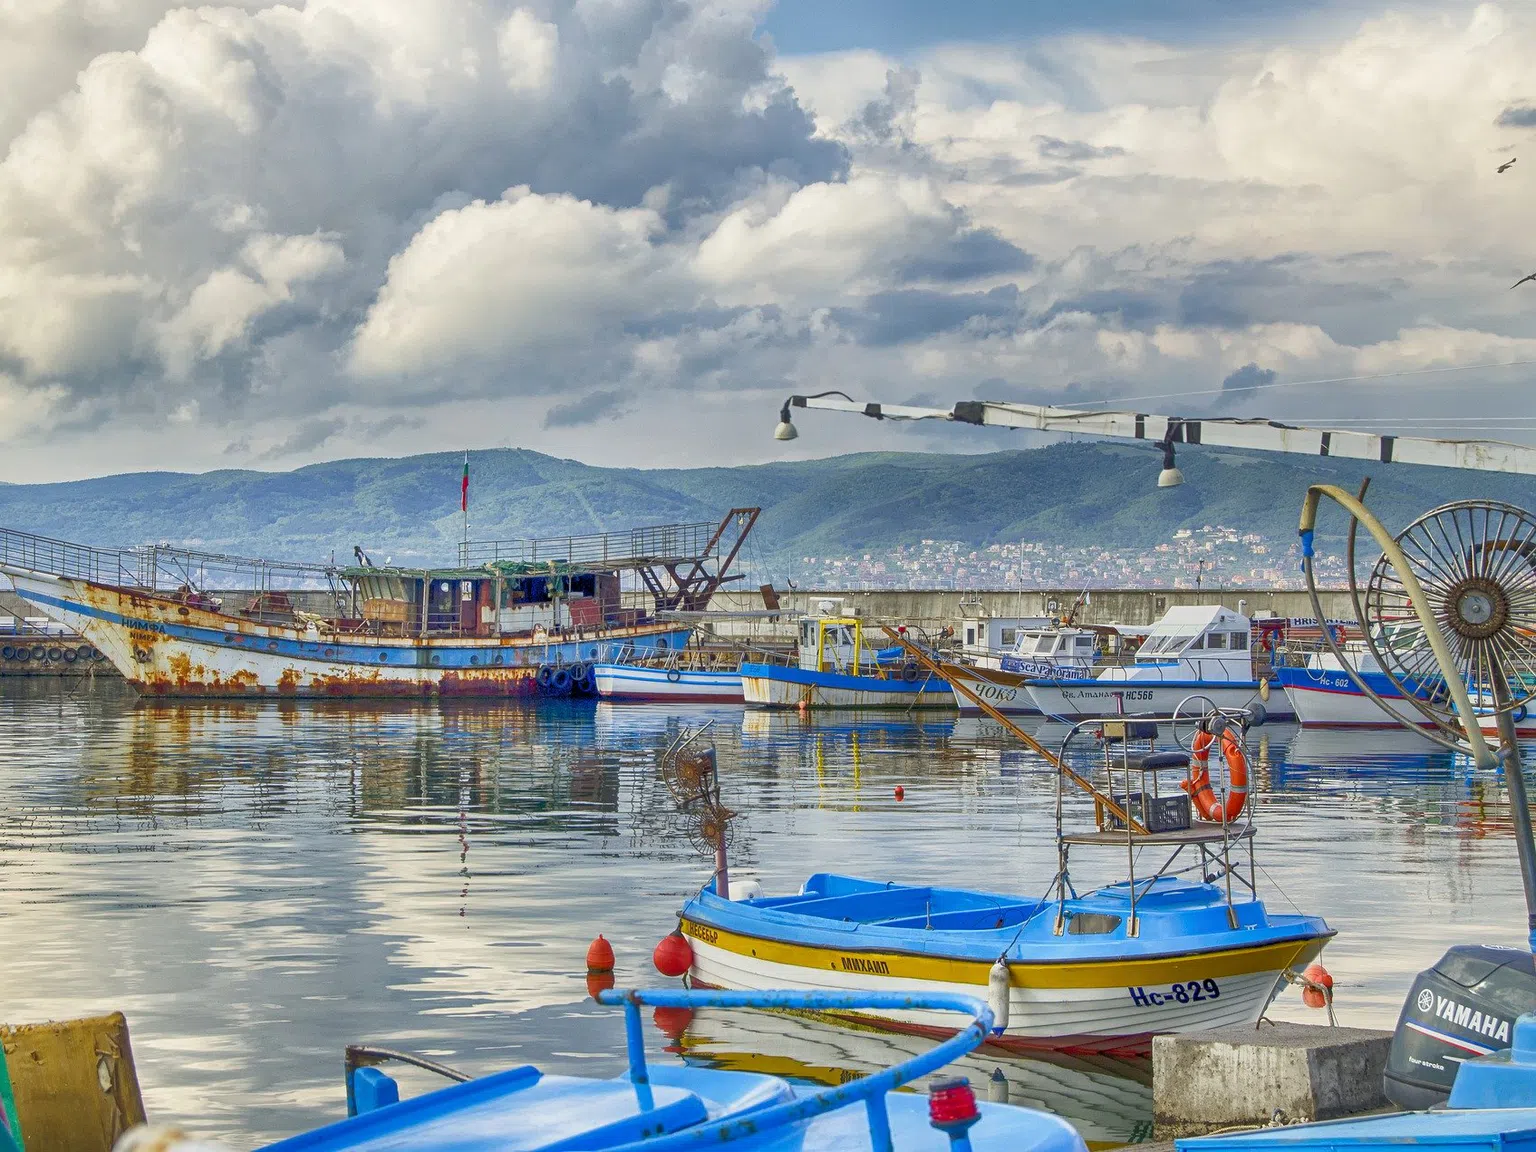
x=155 y=566
x=605 y=549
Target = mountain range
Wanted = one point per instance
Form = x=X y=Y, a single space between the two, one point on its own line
x=407 y=509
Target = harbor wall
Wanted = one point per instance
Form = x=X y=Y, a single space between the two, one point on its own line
x=1104 y=605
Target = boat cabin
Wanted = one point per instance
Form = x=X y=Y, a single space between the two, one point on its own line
x=985 y=640
x=485 y=601
x=837 y=644
x=1207 y=642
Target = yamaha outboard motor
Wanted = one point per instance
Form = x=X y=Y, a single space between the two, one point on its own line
x=1464 y=1006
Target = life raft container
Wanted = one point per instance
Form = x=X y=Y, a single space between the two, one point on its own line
x=1201 y=794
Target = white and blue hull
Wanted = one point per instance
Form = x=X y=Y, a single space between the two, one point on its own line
x=633 y=682
x=1092 y=699
x=776 y=686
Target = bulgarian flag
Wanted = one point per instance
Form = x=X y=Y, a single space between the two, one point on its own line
x=464 y=487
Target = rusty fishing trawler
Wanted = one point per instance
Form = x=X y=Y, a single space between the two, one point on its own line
x=510 y=618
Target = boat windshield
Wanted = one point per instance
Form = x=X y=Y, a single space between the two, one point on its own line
x=1168 y=644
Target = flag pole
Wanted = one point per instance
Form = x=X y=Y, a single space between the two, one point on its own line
x=464 y=498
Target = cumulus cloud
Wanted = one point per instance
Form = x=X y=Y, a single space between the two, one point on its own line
x=301 y=226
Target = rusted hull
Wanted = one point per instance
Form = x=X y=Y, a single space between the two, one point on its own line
x=169 y=649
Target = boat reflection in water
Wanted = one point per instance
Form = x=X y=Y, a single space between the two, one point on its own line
x=1107 y=1099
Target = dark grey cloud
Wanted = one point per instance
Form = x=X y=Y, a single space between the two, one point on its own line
x=588 y=409
x=306 y=437
x=1518 y=116
x=911 y=315
x=1052 y=148
x=1241 y=383
x=971 y=255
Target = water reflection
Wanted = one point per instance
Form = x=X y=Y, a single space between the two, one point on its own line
x=257 y=883
x=1109 y=1100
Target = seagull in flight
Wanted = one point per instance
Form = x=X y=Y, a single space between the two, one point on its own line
x=1507 y=165
x=1521 y=281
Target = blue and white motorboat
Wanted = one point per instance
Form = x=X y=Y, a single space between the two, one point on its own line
x=1492 y=1108
x=1193 y=651
x=664 y=1108
x=1323 y=694
x=838 y=668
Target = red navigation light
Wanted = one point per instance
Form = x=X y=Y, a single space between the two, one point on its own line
x=952 y=1104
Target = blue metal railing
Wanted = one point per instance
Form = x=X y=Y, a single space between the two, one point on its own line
x=871 y=1090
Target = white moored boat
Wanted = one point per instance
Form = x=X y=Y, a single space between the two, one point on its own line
x=1200 y=651
x=651 y=683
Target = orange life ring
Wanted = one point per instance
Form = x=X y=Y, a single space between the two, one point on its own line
x=1201 y=794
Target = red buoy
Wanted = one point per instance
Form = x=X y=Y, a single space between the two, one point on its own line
x=673 y=956
x=600 y=955
x=901 y=793
x=1312 y=997
x=598 y=982
x=672 y=1022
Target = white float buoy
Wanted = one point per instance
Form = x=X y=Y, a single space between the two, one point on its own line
x=997 y=1087
x=745 y=889
x=998 y=983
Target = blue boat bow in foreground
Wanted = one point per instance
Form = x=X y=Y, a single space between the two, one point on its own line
x=661 y=1109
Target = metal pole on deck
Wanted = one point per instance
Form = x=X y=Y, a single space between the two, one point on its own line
x=1519 y=804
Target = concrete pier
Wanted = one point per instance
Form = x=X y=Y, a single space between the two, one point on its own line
x=1238 y=1077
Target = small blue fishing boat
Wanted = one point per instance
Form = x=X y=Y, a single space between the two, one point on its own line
x=670 y=1107
x=838 y=668
x=1101 y=970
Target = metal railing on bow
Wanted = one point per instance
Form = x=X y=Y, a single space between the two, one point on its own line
x=155 y=567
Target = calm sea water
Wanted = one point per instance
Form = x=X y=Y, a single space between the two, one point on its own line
x=256 y=885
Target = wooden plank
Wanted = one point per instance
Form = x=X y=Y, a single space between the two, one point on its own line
x=74 y=1082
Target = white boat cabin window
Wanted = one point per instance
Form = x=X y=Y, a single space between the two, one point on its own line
x=1084 y=642
x=1168 y=644
x=970 y=635
x=1006 y=638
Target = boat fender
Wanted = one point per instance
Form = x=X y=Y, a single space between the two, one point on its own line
x=86 y=652
x=560 y=682
x=745 y=890
x=673 y=956
x=545 y=675
x=997 y=1087
x=23 y=655
x=69 y=655
x=673 y=675
x=909 y=671
x=998 y=983
x=1519 y=715
x=9 y=652
x=54 y=654
x=38 y=651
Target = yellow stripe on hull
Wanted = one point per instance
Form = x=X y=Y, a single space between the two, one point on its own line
x=1119 y=973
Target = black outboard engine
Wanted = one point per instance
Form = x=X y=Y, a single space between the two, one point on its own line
x=1464 y=1006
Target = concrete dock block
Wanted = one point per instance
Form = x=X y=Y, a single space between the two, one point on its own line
x=1230 y=1077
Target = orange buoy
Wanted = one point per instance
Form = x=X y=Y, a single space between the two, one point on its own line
x=599 y=955
x=673 y=956
x=1312 y=997
x=598 y=982
x=672 y=1022
x=901 y=793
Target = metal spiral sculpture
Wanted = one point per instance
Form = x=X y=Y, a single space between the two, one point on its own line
x=1449 y=614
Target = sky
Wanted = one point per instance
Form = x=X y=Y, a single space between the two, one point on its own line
x=265 y=234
